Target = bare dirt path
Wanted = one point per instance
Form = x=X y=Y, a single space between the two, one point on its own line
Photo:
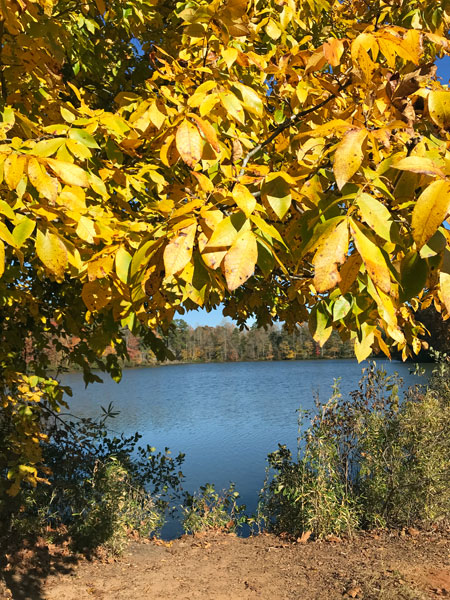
x=412 y=566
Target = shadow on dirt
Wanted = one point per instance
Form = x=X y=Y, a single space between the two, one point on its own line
x=25 y=565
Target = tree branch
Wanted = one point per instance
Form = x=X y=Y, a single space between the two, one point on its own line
x=4 y=91
x=288 y=123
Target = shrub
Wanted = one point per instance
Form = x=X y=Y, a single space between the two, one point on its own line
x=211 y=510
x=102 y=486
x=363 y=461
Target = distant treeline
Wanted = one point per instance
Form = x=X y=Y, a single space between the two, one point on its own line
x=226 y=343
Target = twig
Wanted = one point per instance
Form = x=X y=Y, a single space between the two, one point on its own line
x=2 y=72
x=288 y=123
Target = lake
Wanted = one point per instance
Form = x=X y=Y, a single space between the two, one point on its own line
x=226 y=417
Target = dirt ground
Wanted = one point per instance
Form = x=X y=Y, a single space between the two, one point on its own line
x=386 y=566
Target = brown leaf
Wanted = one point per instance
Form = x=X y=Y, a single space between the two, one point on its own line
x=304 y=537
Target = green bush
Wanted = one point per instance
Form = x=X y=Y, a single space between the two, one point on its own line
x=211 y=510
x=102 y=487
x=365 y=461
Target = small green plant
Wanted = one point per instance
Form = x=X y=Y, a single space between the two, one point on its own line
x=212 y=510
x=364 y=461
x=116 y=507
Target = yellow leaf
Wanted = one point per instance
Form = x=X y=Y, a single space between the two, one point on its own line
x=276 y=190
x=52 y=252
x=178 y=251
x=373 y=259
x=74 y=199
x=69 y=173
x=272 y=29
x=227 y=231
x=86 y=230
x=96 y=294
x=230 y=55
x=439 y=108
x=208 y=131
x=376 y=215
x=419 y=164
x=240 y=260
x=13 y=169
x=333 y=50
x=208 y=104
x=6 y=236
x=363 y=347
x=250 y=99
x=430 y=211
x=122 y=261
x=189 y=143
x=100 y=267
x=233 y=106
x=48 y=147
x=368 y=42
x=348 y=156
x=167 y=151
x=205 y=183
x=331 y=252
x=156 y=116
x=212 y=258
x=45 y=185
x=244 y=199
x=365 y=65
x=79 y=150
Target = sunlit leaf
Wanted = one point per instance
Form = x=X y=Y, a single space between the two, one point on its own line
x=348 y=156
x=52 y=252
x=430 y=210
x=189 y=143
x=240 y=260
x=178 y=251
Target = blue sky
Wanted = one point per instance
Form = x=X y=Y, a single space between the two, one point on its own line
x=200 y=317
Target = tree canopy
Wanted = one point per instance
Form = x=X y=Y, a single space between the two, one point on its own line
x=289 y=159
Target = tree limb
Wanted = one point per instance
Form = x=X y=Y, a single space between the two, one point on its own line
x=288 y=123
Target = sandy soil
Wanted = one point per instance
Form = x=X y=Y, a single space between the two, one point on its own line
x=395 y=566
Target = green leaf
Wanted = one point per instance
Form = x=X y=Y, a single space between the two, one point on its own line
x=320 y=323
x=23 y=230
x=82 y=136
x=341 y=308
x=265 y=261
x=277 y=192
x=251 y=100
x=413 y=273
x=376 y=215
x=48 y=147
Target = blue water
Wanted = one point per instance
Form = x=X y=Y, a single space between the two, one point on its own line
x=225 y=417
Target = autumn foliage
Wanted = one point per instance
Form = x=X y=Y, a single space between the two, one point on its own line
x=289 y=159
